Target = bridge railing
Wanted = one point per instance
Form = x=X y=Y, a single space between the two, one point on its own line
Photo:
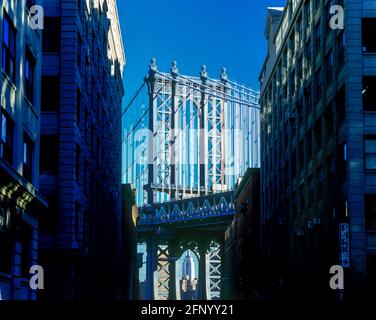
x=204 y=207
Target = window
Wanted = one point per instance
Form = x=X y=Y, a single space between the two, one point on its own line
x=370 y=152
x=330 y=162
x=77 y=215
x=318 y=35
x=78 y=158
x=329 y=63
x=369 y=34
x=301 y=155
x=342 y=158
x=329 y=120
x=293 y=165
x=341 y=105
x=318 y=84
x=370 y=211
x=78 y=106
x=51 y=35
x=308 y=99
x=6 y=137
x=29 y=75
x=25 y=239
x=298 y=31
x=311 y=190
x=300 y=111
x=9 y=48
x=300 y=69
x=292 y=81
x=369 y=94
x=302 y=200
x=49 y=150
x=79 y=51
x=341 y=48
x=308 y=12
x=6 y=248
x=318 y=135
x=328 y=29
x=309 y=143
x=50 y=93
x=292 y=44
x=285 y=91
x=85 y=175
x=27 y=158
x=87 y=126
x=320 y=174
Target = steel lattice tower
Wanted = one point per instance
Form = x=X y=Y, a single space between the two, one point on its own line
x=201 y=135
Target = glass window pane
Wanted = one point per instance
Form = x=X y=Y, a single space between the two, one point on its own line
x=371 y=162
x=6 y=32
x=3 y=128
x=370 y=146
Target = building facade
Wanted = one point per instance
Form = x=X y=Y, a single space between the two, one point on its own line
x=82 y=90
x=21 y=203
x=129 y=261
x=243 y=241
x=318 y=144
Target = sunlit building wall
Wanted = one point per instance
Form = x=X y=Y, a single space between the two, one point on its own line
x=21 y=204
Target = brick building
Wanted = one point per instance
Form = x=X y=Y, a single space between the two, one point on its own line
x=318 y=143
x=243 y=241
x=21 y=203
x=82 y=90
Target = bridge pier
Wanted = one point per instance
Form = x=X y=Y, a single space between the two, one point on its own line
x=223 y=262
x=203 y=270
x=151 y=269
x=174 y=283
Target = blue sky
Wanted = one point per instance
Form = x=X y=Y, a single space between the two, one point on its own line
x=218 y=33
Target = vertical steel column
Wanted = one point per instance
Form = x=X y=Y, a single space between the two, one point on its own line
x=174 y=285
x=203 y=281
x=151 y=269
x=150 y=80
x=224 y=137
x=223 y=262
x=174 y=105
x=202 y=132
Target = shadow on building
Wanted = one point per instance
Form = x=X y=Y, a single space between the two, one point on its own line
x=81 y=244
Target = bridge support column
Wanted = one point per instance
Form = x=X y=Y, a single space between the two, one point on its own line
x=222 y=252
x=203 y=281
x=151 y=270
x=174 y=284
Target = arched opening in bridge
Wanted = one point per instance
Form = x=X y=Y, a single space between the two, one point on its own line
x=188 y=275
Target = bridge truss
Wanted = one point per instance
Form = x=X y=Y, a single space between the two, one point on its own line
x=183 y=155
x=197 y=136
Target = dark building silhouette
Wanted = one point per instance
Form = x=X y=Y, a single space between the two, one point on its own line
x=129 y=260
x=243 y=261
x=82 y=91
x=318 y=147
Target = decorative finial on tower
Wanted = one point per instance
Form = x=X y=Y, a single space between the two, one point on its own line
x=203 y=74
x=174 y=69
x=153 y=65
x=224 y=77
